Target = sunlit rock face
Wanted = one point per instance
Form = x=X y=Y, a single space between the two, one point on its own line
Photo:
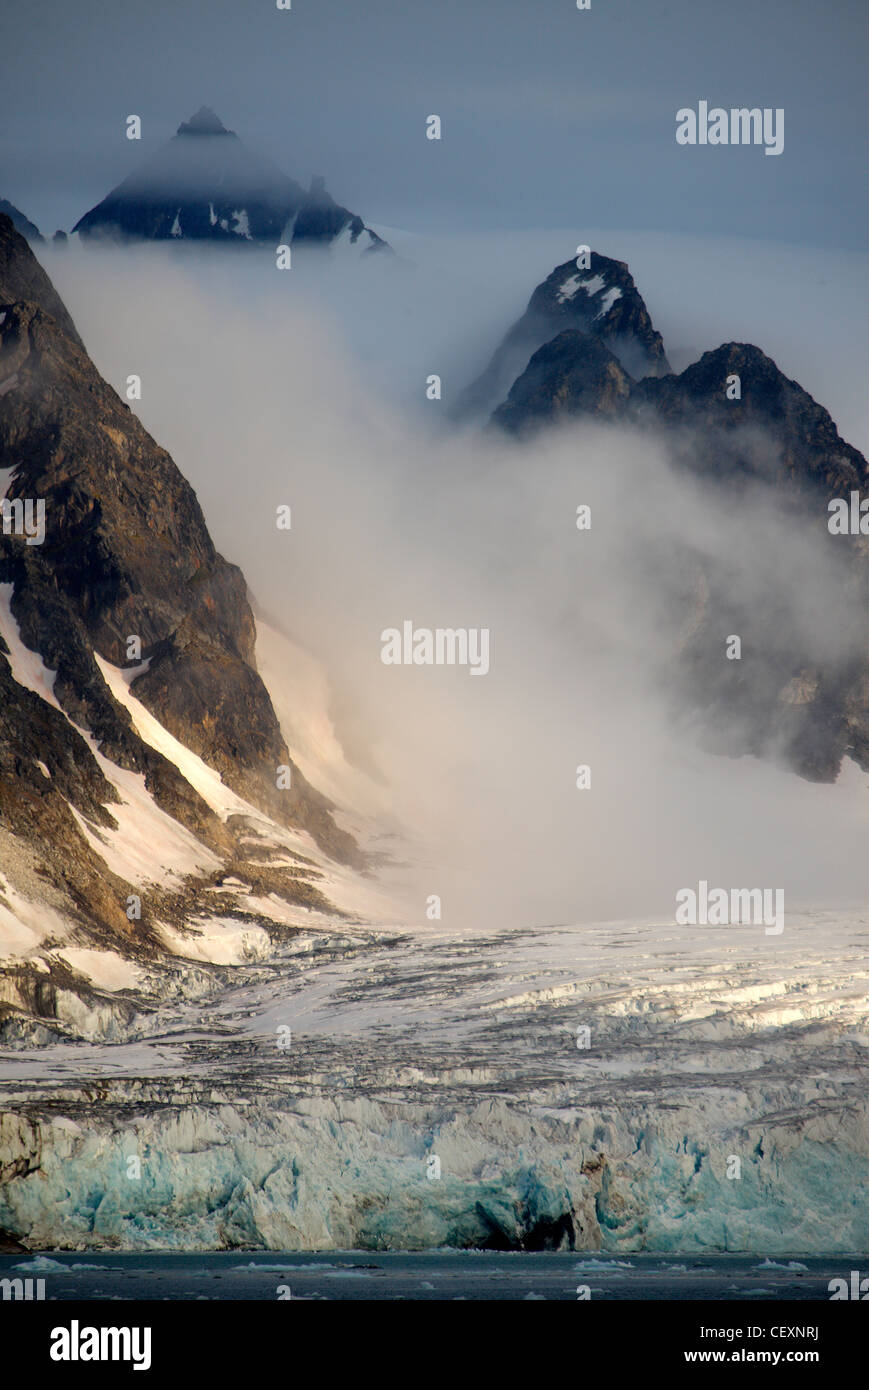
x=131 y=785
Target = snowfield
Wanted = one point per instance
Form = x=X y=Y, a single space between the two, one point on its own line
x=717 y=1101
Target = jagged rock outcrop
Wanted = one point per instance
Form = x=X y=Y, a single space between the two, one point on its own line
x=206 y=185
x=771 y=431
x=808 y=451
x=575 y=374
x=602 y=301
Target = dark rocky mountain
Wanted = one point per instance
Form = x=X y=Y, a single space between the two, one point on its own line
x=774 y=432
x=206 y=185
x=321 y=220
x=602 y=301
x=21 y=223
x=808 y=453
x=574 y=374
x=794 y=695
x=126 y=551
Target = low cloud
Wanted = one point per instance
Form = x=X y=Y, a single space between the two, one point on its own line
x=307 y=388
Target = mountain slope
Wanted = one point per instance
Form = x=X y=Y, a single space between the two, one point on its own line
x=206 y=185
x=21 y=223
x=150 y=775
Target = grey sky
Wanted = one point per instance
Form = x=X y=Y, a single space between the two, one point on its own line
x=551 y=116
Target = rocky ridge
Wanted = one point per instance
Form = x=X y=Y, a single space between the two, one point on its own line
x=139 y=794
x=736 y=426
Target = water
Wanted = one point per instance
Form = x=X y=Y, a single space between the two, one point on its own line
x=431 y=1275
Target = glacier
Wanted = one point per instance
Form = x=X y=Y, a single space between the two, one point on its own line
x=632 y=1086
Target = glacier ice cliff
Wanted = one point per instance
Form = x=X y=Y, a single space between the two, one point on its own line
x=416 y=1092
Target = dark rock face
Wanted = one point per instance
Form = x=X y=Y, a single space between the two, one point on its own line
x=774 y=433
x=205 y=185
x=602 y=301
x=808 y=450
x=573 y=375
x=22 y=277
x=794 y=695
x=126 y=552
x=320 y=220
x=21 y=223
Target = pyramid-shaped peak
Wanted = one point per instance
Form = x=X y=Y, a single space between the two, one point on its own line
x=205 y=122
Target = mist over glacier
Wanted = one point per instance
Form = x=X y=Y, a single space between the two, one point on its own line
x=307 y=388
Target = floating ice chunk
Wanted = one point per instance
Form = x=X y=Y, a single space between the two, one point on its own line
x=791 y=1264
x=40 y=1264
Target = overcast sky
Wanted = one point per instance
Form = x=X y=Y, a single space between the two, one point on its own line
x=551 y=116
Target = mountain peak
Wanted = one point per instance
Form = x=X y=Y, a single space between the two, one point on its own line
x=600 y=299
x=204 y=122
x=198 y=188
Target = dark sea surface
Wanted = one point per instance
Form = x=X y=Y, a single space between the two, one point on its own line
x=432 y=1275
